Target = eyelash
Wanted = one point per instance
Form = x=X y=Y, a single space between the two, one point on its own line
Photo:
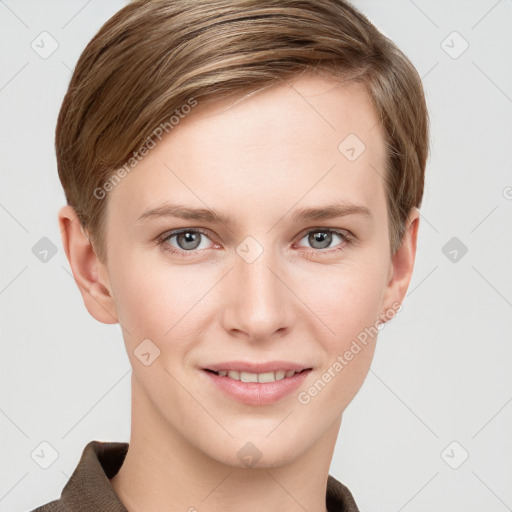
x=347 y=236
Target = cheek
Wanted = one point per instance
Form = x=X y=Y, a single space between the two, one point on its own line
x=346 y=298
x=160 y=301
x=349 y=307
x=348 y=301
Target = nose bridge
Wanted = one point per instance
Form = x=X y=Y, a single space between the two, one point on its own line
x=259 y=303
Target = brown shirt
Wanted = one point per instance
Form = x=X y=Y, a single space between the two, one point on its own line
x=89 y=488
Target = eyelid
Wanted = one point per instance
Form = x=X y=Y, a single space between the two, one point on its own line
x=339 y=231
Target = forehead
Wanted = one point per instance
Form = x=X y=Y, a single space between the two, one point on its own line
x=309 y=140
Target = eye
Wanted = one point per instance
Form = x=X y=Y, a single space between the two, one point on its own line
x=186 y=240
x=322 y=238
x=190 y=240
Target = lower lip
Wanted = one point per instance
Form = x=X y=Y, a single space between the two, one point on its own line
x=255 y=393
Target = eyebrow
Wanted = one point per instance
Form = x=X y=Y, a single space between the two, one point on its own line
x=182 y=212
x=331 y=212
x=300 y=215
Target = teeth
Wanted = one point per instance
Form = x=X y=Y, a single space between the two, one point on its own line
x=257 y=377
x=248 y=377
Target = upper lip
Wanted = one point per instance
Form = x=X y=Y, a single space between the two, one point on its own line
x=271 y=366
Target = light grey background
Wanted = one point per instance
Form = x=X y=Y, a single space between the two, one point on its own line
x=442 y=369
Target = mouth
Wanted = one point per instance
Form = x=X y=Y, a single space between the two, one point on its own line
x=265 y=384
x=264 y=377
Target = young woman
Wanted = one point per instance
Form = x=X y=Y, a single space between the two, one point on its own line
x=243 y=180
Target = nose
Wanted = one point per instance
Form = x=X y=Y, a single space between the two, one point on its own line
x=259 y=304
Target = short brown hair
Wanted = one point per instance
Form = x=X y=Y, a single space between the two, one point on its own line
x=154 y=56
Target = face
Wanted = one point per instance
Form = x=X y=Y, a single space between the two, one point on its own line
x=278 y=278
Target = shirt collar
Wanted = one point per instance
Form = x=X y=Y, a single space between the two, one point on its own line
x=89 y=488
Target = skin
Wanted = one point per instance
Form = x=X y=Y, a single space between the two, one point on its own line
x=258 y=161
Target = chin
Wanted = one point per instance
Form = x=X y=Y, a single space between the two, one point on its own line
x=257 y=451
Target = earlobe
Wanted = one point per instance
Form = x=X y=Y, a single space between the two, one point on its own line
x=402 y=266
x=90 y=278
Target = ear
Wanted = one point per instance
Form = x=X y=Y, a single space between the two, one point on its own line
x=89 y=273
x=401 y=267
